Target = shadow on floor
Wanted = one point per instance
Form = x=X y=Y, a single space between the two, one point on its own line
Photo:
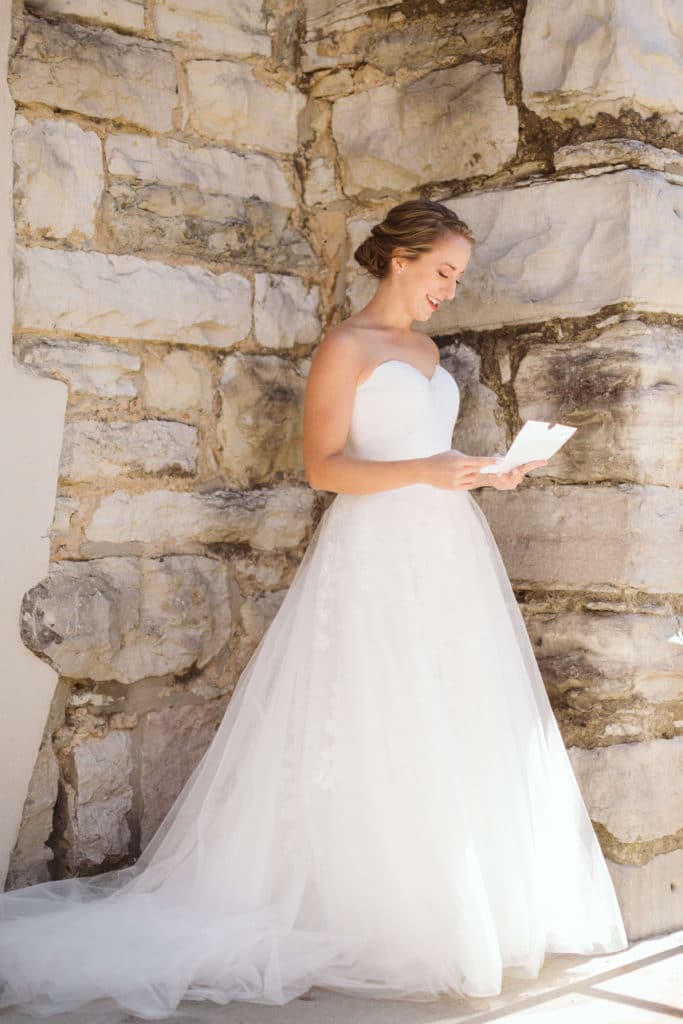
x=641 y=985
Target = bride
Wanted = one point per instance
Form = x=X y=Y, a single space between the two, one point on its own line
x=387 y=808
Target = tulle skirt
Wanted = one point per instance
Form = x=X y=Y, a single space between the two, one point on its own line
x=386 y=810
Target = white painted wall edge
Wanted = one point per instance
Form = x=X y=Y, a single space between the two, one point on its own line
x=31 y=426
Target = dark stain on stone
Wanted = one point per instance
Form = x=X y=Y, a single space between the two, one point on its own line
x=35 y=632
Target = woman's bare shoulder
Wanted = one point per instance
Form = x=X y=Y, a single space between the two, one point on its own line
x=341 y=343
x=345 y=332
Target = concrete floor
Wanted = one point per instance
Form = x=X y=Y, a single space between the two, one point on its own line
x=641 y=985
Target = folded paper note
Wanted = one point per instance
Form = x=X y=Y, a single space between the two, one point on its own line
x=536 y=440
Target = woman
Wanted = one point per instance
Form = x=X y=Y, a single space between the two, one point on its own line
x=387 y=808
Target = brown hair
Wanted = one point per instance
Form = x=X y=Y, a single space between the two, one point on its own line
x=412 y=227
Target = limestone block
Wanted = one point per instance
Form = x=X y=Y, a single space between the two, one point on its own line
x=127 y=297
x=617 y=153
x=65 y=509
x=86 y=367
x=608 y=655
x=176 y=383
x=127 y=618
x=31 y=854
x=229 y=103
x=451 y=123
x=180 y=221
x=581 y=59
x=256 y=573
x=634 y=789
x=623 y=390
x=260 y=428
x=94 y=450
x=285 y=311
x=238 y=29
x=256 y=614
x=588 y=538
x=361 y=285
x=358 y=229
x=651 y=896
x=125 y=14
x=267 y=518
x=450 y=36
x=324 y=17
x=100 y=74
x=338 y=82
x=204 y=203
x=360 y=289
x=315 y=57
x=480 y=426
x=173 y=740
x=437 y=37
x=58 y=178
x=207 y=168
x=542 y=249
x=320 y=185
x=97 y=797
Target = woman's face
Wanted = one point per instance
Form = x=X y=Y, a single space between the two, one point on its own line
x=434 y=275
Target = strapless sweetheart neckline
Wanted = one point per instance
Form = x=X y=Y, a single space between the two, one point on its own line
x=401 y=362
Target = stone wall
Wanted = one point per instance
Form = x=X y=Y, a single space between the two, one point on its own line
x=165 y=270
x=190 y=185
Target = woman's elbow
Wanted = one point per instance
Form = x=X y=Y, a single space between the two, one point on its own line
x=320 y=472
x=312 y=475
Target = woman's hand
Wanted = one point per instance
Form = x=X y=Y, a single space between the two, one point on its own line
x=508 y=481
x=454 y=471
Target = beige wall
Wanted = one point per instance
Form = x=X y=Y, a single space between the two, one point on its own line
x=31 y=418
x=163 y=272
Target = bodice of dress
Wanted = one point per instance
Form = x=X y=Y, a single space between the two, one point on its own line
x=399 y=413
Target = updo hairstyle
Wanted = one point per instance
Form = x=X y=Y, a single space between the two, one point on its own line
x=412 y=228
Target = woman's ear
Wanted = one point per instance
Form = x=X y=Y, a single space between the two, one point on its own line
x=399 y=258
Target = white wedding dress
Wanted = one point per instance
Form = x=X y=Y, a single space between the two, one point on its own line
x=387 y=808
